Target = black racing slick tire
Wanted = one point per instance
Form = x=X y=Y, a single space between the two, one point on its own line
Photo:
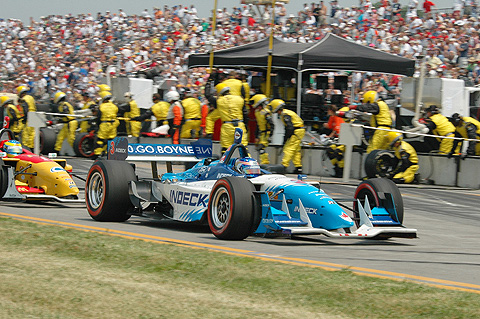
x=84 y=145
x=106 y=191
x=231 y=209
x=374 y=190
x=380 y=163
x=3 y=179
x=48 y=137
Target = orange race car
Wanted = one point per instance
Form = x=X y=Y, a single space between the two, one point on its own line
x=26 y=176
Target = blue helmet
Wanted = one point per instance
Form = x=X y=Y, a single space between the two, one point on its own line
x=248 y=166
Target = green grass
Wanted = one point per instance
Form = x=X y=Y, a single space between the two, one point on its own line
x=53 y=272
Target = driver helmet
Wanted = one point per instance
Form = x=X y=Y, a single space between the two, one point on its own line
x=12 y=148
x=247 y=166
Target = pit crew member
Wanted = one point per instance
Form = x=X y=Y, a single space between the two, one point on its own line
x=70 y=124
x=294 y=133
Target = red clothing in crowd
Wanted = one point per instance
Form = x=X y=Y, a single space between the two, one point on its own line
x=427 y=6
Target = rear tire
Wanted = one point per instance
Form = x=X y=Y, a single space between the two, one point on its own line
x=374 y=189
x=232 y=211
x=380 y=163
x=84 y=145
x=106 y=191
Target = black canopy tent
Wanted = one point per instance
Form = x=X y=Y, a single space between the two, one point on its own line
x=332 y=53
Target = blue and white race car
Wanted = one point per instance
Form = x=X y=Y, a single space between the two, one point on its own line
x=235 y=196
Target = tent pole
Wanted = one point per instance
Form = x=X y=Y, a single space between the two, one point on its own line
x=270 y=51
x=299 y=84
x=214 y=24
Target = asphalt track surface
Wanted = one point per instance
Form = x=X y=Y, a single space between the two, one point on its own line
x=446 y=254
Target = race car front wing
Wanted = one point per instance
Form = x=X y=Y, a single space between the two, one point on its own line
x=276 y=222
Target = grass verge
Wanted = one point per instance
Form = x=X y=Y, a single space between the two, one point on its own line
x=52 y=272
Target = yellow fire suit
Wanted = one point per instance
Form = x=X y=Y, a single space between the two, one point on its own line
x=294 y=133
x=28 y=135
x=265 y=130
x=470 y=129
x=236 y=87
x=212 y=117
x=192 y=117
x=84 y=125
x=230 y=108
x=335 y=154
x=69 y=127
x=408 y=165
x=441 y=126
x=133 y=127
x=15 y=116
x=108 y=123
x=381 y=118
x=160 y=111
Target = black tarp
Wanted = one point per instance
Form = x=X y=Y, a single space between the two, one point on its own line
x=332 y=53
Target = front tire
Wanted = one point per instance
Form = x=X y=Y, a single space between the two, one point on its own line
x=231 y=208
x=374 y=190
x=106 y=191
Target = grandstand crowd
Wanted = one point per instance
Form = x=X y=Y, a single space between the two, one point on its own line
x=70 y=53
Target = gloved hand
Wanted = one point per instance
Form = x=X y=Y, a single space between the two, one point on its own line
x=463 y=156
x=350 y=115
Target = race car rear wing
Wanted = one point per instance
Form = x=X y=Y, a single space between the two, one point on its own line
x=120 y=149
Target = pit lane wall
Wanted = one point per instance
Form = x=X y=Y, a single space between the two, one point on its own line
x=436 y=168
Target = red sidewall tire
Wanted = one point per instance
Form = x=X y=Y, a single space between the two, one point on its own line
x=94 y=212
x=107 y=190
x=215 y=230
x=239 y=220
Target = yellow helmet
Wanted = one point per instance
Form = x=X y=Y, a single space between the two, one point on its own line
x=22 y=89
x=105 y=95
x=369 y=97
x=277 y=104
x=58 y=97
x=13 y=148
x=258 y=99
x=394 y=137
x=104 y=87
x=4 y=100
x=222 y=88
